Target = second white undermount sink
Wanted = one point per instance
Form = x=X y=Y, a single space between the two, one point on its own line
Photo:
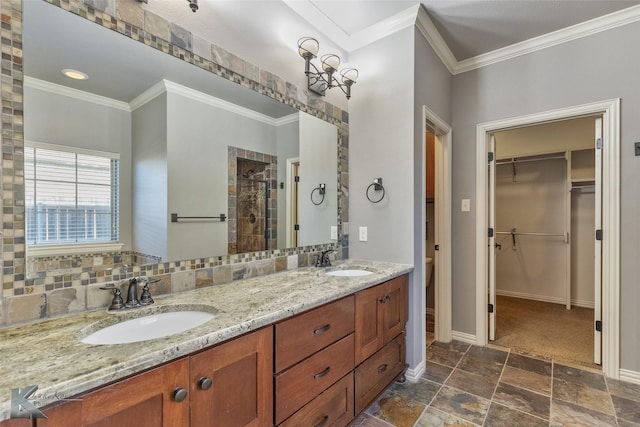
x=148 y=327
x=352 y=272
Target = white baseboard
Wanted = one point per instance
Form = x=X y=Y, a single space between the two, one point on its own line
x=464 y=337
x=630 y=376
x=413 y=374
x=545 y=298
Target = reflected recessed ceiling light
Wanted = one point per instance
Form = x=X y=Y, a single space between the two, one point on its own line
x=74 y=74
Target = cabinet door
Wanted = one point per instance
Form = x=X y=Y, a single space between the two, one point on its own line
x=145 y=400
x=381 y=314
x=368 y=328
x=232 y=383
x=394 y=307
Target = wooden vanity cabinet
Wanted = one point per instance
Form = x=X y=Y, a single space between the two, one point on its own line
x=381 y=315
x=232 y=384
x=319 y=368
x=229 y=385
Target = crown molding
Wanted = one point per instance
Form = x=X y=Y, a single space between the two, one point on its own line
x=46 y=86
x=385 y=28
x=171 y=87
x=346 y=42
x=583 y=29
x=429 y=31
x=148 y=95
x=291 y=118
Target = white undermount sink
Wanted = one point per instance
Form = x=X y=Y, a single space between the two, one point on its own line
x=353 y=272
x=148 y=327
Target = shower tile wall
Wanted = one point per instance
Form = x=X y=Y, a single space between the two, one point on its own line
x=252 y=195
x=252 y=206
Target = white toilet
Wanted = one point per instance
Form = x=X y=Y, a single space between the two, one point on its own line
x=428 y=270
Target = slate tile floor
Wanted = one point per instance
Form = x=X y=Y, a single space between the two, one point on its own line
x=466 y=385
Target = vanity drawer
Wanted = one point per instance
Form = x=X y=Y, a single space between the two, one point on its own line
x=301 y=383
x=334 y=407
x=377 y=372
x=300 y=337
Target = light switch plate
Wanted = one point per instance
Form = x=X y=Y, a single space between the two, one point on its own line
x=465 y=206
x=363 y=234
x=334 y=232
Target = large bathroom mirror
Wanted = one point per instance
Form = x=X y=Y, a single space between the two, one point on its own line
x=188 y=143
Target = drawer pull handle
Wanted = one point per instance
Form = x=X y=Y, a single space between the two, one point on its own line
x=323 y=422
x=322 y=330
x=179 y=394
x=323 y=373
x=205 y=383
x=382 y=368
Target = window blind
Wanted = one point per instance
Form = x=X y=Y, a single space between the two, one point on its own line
x=71 y=197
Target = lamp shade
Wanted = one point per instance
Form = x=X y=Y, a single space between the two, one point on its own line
x=330 y=62
x=308 y=46
x=349 y=75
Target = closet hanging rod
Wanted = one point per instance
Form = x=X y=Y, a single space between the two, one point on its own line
x=517 y=160
x=518 y=233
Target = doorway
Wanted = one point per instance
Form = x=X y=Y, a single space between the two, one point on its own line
x=543 y=217
x=436 y=220
x=610 y=142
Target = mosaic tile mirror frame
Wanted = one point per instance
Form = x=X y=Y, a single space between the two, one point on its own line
x=18 y=280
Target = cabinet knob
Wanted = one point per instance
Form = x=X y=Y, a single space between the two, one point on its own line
x=385 y=298
x=205 y=383
x=180 y=394
x=382 y=368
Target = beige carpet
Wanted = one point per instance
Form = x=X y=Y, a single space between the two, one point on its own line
x=545 y=330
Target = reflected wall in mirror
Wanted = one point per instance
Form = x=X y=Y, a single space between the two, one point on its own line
x=173 y=125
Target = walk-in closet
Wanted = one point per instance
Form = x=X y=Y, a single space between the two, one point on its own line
x=545 y=220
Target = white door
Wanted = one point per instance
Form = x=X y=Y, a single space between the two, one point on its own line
x=597 y=306
x=492 y=237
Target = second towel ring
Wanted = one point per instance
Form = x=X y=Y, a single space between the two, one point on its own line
x=321 y=190
x=377 y=186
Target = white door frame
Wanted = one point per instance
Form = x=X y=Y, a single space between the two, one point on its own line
x=610 y=111
x=290 y=200
x=442 y=262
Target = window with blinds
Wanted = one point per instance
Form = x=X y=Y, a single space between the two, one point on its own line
x=71 y=195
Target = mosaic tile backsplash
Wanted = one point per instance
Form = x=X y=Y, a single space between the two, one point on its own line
x=42 y=288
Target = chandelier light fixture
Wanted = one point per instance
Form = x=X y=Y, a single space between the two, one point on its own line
x=319 y=81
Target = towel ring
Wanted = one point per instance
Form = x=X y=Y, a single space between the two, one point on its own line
x=320 y=189
x=377 y=186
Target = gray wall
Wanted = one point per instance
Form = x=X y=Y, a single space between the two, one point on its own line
x=402 y=74
x=433 y=85
x=381 y=146
x=198 y=137
x=594 y=68
x=59 y=119
x=150 y=177
x=318 y=164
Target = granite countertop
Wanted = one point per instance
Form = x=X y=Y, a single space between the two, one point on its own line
x=50 y=355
